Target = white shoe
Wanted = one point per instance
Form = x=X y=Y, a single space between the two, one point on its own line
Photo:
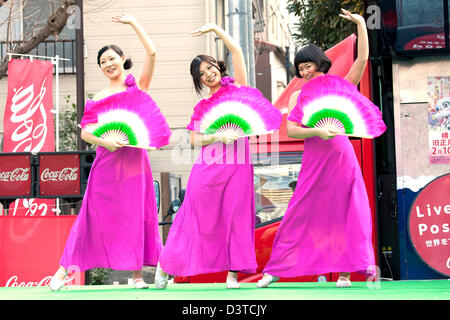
x=160 y=280
x=56 y=284
x=267 y=280
x=232 y=283
x=139 y=283
x=343 y=282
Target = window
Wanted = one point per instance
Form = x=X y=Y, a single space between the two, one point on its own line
x=275 y=178
x=27 y=18
x=421 y=27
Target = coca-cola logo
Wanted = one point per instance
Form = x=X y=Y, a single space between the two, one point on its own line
x=14 y=282
x=32 y=207
x=65 y=174
x=18 y=174
x=24 y=106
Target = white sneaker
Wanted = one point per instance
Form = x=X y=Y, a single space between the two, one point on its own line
x=267 y=280
x=343 y=282
x=232 y=283
x=56 y=284
x=160 y=280
x=139 y=283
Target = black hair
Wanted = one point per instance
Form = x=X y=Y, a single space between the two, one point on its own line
x=195 y=69
x=312 y=53
x=126 y=65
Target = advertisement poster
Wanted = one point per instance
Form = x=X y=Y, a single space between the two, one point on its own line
x=429 y=224
x=438 y=89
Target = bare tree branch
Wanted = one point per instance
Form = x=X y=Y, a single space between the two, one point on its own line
x=16 y=14
x=55 y=24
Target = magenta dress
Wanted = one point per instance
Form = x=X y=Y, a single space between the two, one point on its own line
x=327 y=226
x=117 y=226
x=214 y=228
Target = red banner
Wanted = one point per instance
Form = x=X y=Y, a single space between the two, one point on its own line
x=429 y=224
x=32 y=207
x=28 y=122
x=31 y=248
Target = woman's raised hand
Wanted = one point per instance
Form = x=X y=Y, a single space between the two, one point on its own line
x=353 y=17
x=124 y=18
x=237 y=55
x=205 y=29
x=359 y=65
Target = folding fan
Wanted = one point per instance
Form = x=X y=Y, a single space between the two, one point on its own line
x=241 y=111
x=135 y=120
x=334 y=103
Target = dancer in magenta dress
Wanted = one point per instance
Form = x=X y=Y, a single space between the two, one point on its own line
x=327 y=226
x=117 y=226
x=214 y=228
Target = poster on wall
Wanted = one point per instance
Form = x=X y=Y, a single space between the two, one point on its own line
x=429 y=224
x=438 y=89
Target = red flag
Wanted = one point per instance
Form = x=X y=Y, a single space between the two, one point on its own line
x=28 y=122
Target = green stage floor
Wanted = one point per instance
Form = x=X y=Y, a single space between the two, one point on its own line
x=385 y=290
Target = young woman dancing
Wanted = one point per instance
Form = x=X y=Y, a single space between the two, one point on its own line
x=327 y=226
x=214 y=229
x=117 y=226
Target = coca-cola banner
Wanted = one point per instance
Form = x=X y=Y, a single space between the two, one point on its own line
x=32 y=207
x=31 y=248
x=59 y=174
x=15 y=175
x=28 y=122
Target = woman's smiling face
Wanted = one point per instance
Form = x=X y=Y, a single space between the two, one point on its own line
x=112 y=64
x=209 y=75
x=308 y=70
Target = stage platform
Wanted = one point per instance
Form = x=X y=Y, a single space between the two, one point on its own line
x=384 y=290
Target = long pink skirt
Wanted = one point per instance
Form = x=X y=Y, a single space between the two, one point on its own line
x=214 y=229
x=327 y=226
x=117 y=226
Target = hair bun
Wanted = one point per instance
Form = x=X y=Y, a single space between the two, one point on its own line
x=127 y=64
x=222 y=66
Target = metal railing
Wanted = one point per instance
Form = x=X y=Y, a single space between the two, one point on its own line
x=63 y=48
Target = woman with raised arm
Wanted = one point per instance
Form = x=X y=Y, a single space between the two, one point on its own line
x=327 y=225
x=213 y=230
x=117 y=226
